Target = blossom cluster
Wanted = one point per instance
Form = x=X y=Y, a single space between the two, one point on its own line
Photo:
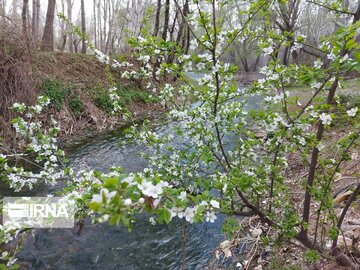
x=41 y=145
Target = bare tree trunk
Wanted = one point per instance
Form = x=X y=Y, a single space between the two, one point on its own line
x=256 y=63
x=245 y=64
x=95 y=25
x=166 y=20
x=182 y=26
x=108 y=36
x=187 y=44
x=63 y=28
x=2 y=22
x=2 y=14
x=173 y=25
x=35 y=21
x=285 y=56
x=83 y=26
x=157 y=18
x=69 y=25
x=14 y=9
x=104 y=26
x=288 y=13
x=24 y=18
x=37 y=24
x=47 y=43
x=76 y=44
x=100 y=26
x=34 y=31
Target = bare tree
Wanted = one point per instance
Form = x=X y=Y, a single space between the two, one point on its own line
x=288 y=13
x=63 y=34
x=166 y=20
x=69 y=25
x=100 y=26
x=14 y=9
x=157 y=18
x=2 y=13
x=47 y=43
x=24 y=18
x=35 y=22
x=83 y=26
x=95 y=25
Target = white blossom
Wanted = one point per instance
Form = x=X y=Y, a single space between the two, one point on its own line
x=315 y=85
x=189 y=214
x=331 y=56
x=182 y=195
x=141 y=200
x=318 y=63
x=268 y=50
x=325 y=119
x=210 y=216
x=352 y=112
x=103 y=193
x=127 y=202
x=152 y=221
x=215 y=204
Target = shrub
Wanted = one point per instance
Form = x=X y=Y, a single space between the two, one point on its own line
x=76 y=105
x=102 y=100
x=57 y=93
x=127 y=94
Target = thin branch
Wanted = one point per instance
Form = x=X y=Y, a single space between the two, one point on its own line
x=343 y=213
x=330 y=8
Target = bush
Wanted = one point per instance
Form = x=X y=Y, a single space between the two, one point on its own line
x=127 y=94
x=76 y=105
x=102 y=100
x=130 y=93
x=57 y=93
x=350 y=101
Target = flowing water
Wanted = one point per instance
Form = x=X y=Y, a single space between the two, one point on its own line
x=109 y=247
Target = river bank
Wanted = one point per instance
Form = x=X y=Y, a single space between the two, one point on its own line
x=78 y=86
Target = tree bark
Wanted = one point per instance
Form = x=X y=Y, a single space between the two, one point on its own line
x=95 y=25
x=69 y=25
x=63 y=28
x=83 y=27
x=35 y=22
x=157 y=18
x=24 y=18
x=47 y=43
x=183 y=25
x=166 y=20
x=14 y=9
x=2 y=14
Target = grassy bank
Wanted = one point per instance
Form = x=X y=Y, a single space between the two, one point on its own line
x=77 y=85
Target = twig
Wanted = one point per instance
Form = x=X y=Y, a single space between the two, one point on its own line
x=330 y=8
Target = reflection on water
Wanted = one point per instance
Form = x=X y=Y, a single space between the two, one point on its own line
x=108 y=247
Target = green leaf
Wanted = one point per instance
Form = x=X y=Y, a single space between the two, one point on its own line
x=111 y=183
x=163 y=215
x=95 y=206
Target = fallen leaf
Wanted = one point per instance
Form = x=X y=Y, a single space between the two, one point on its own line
x=343 y=197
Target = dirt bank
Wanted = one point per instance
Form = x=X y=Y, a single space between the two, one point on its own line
x=78 y=86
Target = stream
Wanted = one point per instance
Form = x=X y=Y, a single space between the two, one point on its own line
x=103 y=246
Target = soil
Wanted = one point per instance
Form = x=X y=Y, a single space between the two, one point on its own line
x=85 y=75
